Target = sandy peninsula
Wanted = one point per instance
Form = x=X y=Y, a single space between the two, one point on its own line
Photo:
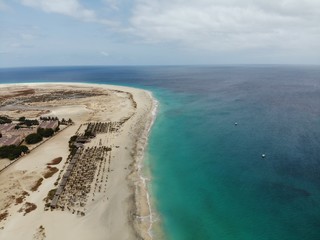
x=105 y=196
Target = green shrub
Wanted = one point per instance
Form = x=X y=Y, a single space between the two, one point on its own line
x=33 y=138
x=22 y=119
x=45 y=132
x=73 y=138
x=12 y=151
x=4 y=119
x=29 y=122
x=51 y=194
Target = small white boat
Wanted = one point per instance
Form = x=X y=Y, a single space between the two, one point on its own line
x=263 y=155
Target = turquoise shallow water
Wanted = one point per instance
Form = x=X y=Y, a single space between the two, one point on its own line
x=208 y=178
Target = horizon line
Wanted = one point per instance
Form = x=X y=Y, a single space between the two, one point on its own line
x=164 y=65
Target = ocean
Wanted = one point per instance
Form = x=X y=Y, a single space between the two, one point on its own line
x=208 y=177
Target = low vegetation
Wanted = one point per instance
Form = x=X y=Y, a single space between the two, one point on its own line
x=66 y=122
x=55 y=161
x=22 y=197
x=89 y=133
x=50 y=172
x=4 y=119
x=40 y=234
x=72 y=147
x=12 y=152
x=22 y=119
x=49 y=118
x=3 y=216
x=72 y=141
x=37 y=185
x=45 y=132
x=28 y=207
x=33 y=138
x=28 y=122
x=50 y=195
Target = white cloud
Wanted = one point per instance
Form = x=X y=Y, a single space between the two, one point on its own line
x=106 y=54
x=203 y=29
x=114 y=4
x=229 y=24
x=28 y=36
x=3 y=5
x=17 y=45
x=71 y=8
x=66 y=7
x=19 y=38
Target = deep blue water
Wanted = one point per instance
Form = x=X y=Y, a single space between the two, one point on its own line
x=208 y=177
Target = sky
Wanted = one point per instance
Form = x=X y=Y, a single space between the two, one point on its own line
x=158 y=32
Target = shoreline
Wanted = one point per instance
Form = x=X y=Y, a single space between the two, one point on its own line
x=135 y=176
x=140 y=161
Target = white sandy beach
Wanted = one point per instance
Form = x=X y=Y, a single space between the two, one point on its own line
x=122 y=210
